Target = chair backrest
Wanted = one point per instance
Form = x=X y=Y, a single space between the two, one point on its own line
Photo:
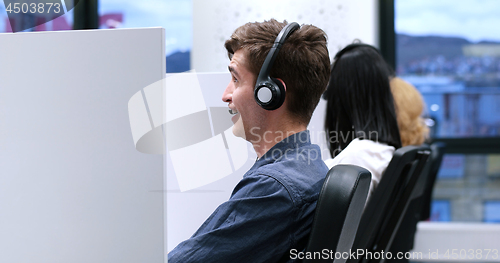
x=438 y=150
x=419 y=207
x=388 y=203
x=338 y=211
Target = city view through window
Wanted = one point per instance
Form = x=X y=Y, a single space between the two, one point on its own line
x=451 y=53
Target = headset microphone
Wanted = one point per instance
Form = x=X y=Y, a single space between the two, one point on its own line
x=270 y=92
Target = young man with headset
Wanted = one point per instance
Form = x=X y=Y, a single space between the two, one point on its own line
x=279 y=72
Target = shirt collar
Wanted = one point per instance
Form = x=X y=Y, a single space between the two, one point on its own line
x=293 y=141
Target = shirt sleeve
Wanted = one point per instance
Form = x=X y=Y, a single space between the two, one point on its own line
x=254 y=225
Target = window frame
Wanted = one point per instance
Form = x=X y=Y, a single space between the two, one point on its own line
x=86 y=14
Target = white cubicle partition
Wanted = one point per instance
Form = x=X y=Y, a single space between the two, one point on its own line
x=73 y=188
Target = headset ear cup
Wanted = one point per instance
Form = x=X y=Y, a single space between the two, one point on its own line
x=280 y=92
x=270 y=92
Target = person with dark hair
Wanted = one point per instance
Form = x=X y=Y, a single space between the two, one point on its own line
x=270 y=211
x=361 y=125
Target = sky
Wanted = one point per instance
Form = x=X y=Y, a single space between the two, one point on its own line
x=474 y=20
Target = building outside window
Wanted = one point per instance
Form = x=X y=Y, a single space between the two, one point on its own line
x=451 y=53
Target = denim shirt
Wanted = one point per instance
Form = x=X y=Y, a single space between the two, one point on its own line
x=269 y=213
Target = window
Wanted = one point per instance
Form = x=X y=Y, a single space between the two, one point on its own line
x=492 y=211
x=451 y=53
x=467 y=182
x=173 y=15
x=440 y=211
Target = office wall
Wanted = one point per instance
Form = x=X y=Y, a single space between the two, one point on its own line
x=215 y=20
x=73 y=188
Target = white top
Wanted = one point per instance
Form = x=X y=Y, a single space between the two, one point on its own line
x=371 y=155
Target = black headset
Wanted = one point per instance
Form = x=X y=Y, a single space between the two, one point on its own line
x=270 y=92
x=354 y=46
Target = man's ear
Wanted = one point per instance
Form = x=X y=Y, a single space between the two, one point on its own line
x=282 y=83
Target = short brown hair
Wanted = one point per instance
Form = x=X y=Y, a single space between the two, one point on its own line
x=302 y=63
x=409 y=108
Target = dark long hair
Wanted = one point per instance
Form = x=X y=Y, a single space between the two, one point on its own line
x=359 y=99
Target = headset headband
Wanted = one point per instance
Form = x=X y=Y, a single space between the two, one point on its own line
x=273 y=53
x=269 y=93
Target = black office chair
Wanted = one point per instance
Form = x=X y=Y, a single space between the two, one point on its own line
x=420 y=205
x=340 y=205
x=389 y=202
x=438 y=150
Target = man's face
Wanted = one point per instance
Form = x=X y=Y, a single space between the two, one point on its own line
x=249 y=117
